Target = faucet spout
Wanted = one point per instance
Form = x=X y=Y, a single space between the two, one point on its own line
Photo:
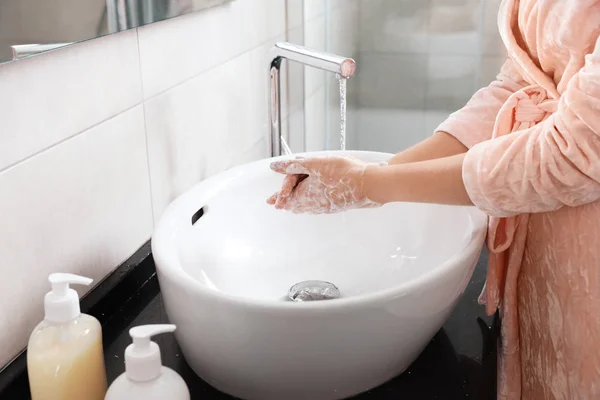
x=343 y=67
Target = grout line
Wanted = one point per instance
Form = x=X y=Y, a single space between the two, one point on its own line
x=137 y=35
x=47 y=148
x=38 y=152
x=306 y=21
x=145 y=130
x=144 y=99
x=219 y=64
x=149 y=167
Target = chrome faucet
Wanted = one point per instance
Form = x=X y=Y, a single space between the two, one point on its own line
x=343 y=67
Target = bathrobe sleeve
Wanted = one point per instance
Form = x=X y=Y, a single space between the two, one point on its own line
x=553 y=164
x=474 y=122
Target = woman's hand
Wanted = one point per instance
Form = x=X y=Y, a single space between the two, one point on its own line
x=321 y=185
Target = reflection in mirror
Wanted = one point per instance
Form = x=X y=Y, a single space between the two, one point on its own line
x=29 y=27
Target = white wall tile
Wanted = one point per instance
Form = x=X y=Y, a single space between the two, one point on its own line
x=313 y=9
x=51 y=97
x=295 y=131
x=176 y=50
x=81 y=207
x=342 y=30
x=198 y=128
x=294 y=13
x=292 y=77
x=292 y=74
x=258 y=151
x=314 y=38
x=314 y=120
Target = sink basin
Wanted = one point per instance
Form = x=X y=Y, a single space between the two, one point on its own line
x=226 y=260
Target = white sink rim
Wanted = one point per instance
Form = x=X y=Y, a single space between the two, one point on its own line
x=176 y=213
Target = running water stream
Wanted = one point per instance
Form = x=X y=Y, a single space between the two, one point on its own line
x=343 y=114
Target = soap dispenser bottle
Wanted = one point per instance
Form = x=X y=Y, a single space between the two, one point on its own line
x=65 y=360
x=145 y=378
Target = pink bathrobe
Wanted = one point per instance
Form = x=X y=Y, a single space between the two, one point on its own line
x=539 y=180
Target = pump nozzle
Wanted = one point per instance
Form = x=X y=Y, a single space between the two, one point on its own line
x=142 y=357
x=60 y=282
x=62 y=303
x=141 y=334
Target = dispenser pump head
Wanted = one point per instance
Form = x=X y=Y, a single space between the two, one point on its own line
x=142 y=357
x=62 y=303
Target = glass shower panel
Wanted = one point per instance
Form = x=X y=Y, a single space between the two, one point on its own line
x=417 y=61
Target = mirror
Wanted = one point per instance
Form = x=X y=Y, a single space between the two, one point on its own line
x=29 y=27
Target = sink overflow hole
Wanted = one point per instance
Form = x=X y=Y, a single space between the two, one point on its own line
x=197 y=215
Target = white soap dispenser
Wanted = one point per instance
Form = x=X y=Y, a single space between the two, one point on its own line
x=145 y=378
x=65 y=360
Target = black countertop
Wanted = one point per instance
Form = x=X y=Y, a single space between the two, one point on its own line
x=459 y=363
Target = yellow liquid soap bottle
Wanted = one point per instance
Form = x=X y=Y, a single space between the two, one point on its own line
x=145 y=378
x=65 y=360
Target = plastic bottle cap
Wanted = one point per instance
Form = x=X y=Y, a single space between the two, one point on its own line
x=142 y=357
x=62 y=303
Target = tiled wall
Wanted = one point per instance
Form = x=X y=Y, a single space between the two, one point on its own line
x=99 y=137
x=420 y=60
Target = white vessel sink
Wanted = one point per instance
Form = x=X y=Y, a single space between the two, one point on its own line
x=400 y=270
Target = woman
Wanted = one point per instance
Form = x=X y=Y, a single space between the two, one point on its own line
x=525 y=150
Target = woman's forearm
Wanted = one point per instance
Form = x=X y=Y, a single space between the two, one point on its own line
x=433 y=181
x=439 y=145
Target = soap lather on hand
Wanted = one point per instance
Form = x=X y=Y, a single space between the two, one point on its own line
x=322 y=185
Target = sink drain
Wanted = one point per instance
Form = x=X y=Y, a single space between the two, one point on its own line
x=313 y=291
